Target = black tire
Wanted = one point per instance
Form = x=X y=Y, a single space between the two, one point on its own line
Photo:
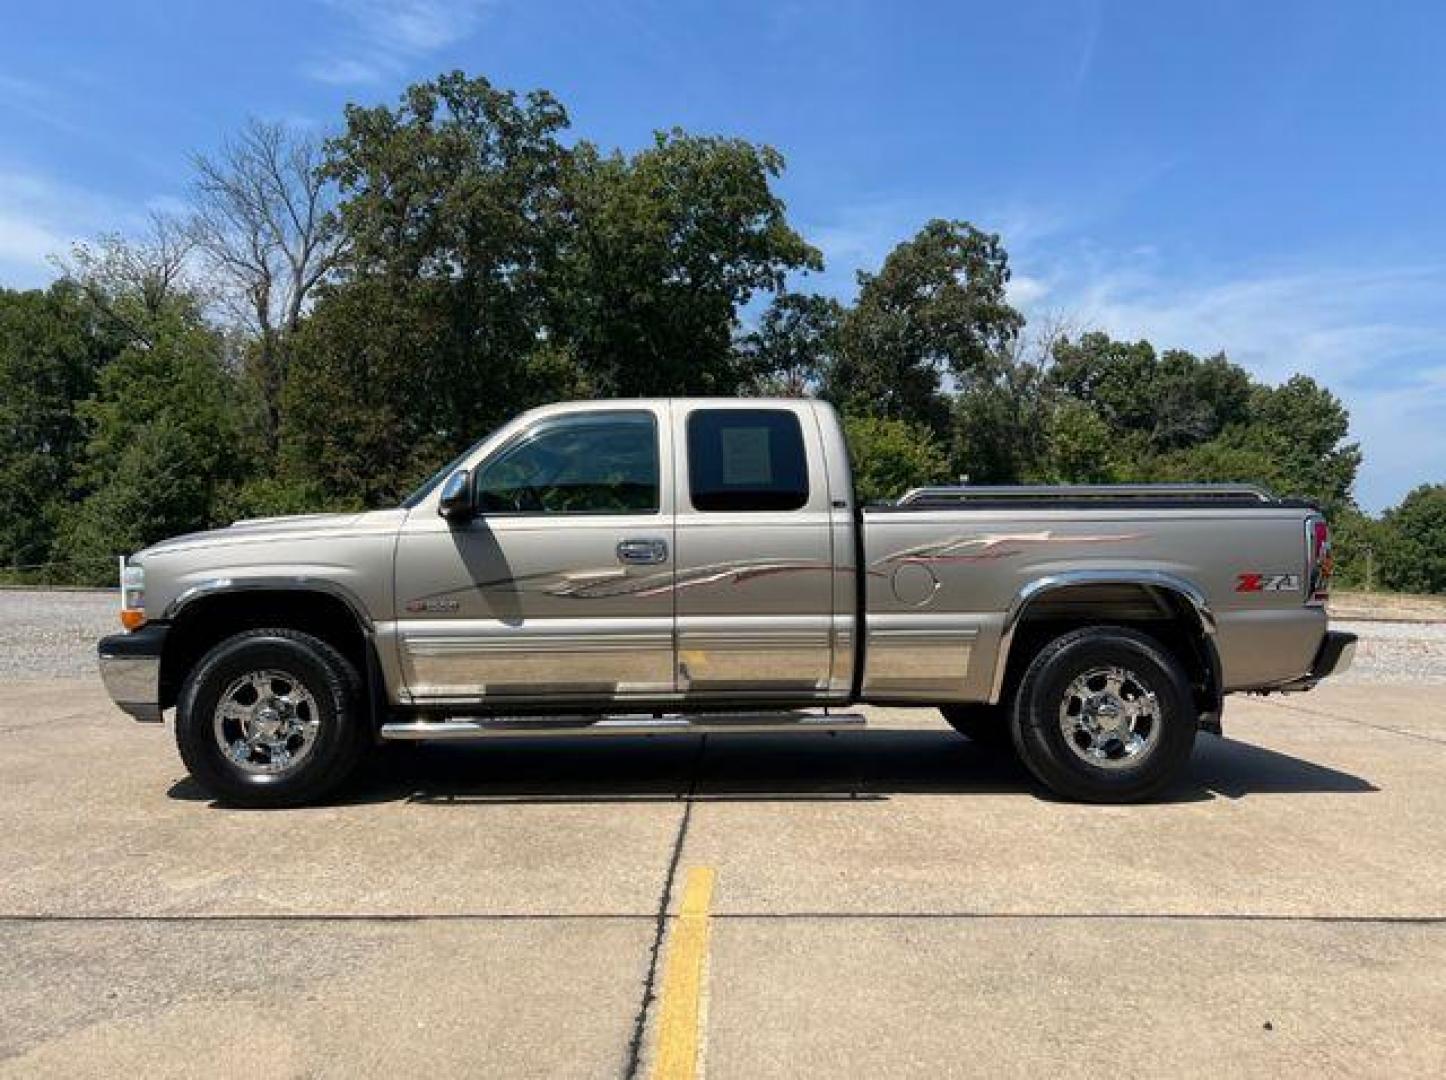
x=987 y=725
x=340 y=740
x=1036 y=719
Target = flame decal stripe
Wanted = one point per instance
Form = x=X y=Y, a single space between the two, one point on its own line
x=610 y=582
x=978 y=547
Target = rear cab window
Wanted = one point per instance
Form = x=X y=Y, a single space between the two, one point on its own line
x=742 y=460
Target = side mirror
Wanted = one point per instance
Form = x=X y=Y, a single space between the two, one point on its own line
x=456 y=503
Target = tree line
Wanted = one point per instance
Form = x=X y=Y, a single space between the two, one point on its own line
x=332 y=319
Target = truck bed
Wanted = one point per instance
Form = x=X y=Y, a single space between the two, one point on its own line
x=946 y=570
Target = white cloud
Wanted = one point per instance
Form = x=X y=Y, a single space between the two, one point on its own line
x=380 y=37
x=343 y=71
x=1025 y=291
x=42 y=217
x=25 y=246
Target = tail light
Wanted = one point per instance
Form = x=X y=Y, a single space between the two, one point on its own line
x=1320 y=562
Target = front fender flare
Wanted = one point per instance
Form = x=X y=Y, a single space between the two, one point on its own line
x=270 y=583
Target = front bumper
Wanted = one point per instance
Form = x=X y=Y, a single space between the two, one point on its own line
x=130 y=667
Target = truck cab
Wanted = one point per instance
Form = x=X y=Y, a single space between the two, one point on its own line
x=647 y=553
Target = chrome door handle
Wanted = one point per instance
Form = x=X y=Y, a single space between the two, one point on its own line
x=642 y=552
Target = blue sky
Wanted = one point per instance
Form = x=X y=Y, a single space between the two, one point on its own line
x=1263 y=178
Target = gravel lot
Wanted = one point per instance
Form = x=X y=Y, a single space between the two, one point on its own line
x=53 y=635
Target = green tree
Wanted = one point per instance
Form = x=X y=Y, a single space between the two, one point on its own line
x=165 y=427
x=1359 y=543
x=133 y=283
x=52 y=348
x=489 y=268
x=1001 y=424
x=1304 y=427
x=660 y=250
x=1414 y=555
x=1176 y=417
x=429 y=333
x=1293 y=443
x=794 y=346
x=1244 y=458
x=1174 y=400
x=935 y=309
x=163 y=441
x=1082 y=448
x=272 y=496
x=890 y=456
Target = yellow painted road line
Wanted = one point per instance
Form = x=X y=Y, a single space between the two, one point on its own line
x=679 y=1017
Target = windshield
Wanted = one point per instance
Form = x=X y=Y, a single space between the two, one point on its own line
x=441 y=474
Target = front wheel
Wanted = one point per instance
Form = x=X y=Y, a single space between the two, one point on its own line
x=1104 y=714
x=271 y=718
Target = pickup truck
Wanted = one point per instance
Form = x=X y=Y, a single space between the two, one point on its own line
x=662 y=566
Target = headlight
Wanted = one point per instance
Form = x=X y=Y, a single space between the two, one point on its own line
x=133 y=595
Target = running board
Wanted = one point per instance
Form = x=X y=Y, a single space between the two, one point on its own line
x=502 y=727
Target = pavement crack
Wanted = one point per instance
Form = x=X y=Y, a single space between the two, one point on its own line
x=15 y=729
x=1076 y=916
x=295 y=918
x=275 y=918
x=660 y=921
x=1356 y=723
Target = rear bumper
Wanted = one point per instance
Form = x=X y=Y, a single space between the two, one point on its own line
x=1337 y=652
x=130 y=668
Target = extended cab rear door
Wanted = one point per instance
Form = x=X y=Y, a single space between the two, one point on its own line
x=755 y=559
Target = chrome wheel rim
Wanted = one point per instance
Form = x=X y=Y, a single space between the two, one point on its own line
x=1110 y=718
x=266 y=722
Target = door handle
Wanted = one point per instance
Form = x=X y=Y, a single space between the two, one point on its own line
x=642 y=552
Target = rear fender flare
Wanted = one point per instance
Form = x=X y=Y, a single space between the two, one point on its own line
x=1194 y=601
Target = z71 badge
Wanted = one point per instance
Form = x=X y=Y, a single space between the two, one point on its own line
x=1267 y=583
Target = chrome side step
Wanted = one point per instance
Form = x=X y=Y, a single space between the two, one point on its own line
x=495 y=727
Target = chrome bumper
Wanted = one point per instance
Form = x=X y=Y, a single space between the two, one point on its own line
x=130 y=668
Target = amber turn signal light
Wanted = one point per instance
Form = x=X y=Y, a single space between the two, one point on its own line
x=133 y=618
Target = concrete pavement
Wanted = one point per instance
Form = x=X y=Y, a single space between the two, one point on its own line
x=893 y=901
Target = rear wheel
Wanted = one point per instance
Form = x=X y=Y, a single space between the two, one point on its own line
x=1104 y=714
x=987 y=725
x=271 y=718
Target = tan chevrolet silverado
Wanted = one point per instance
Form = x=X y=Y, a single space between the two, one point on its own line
x=662 y=566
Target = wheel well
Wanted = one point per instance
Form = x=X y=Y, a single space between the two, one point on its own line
x=1154 y=610
x=205 y=622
